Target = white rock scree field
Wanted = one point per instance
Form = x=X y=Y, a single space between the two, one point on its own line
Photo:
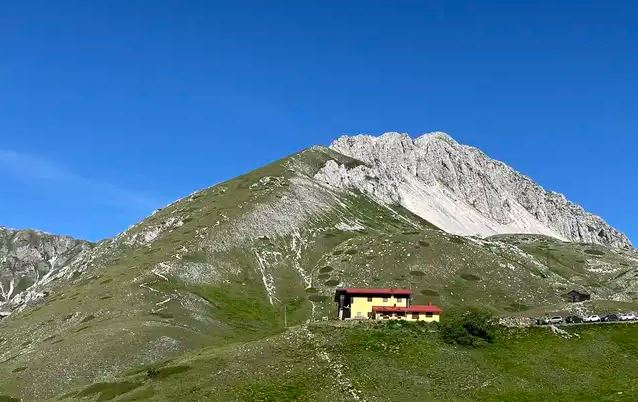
x=461 y=190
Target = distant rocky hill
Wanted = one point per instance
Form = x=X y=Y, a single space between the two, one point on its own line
x=461 y=190
x=29 y=258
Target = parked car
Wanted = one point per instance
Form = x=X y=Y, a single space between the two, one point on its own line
x=610 y=318
x=627 y=317
x=542 y=321
x=555 y=320
x=591 y=318
x=573 y=319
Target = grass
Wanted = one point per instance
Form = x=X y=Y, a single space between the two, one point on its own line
x=107 y=391
x=223 y=325
x=521 y=365
x=399 y=361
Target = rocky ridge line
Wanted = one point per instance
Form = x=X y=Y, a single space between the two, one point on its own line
x=460 y=189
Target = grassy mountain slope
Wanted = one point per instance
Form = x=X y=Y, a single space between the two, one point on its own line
x=212 y=269
x=382 y=363
x=214 y=272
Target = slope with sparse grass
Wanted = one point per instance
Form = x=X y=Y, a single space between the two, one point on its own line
x=199 y=292
x=396 y=361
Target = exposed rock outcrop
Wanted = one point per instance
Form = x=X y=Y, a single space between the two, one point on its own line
x=29 y=258
x=460 y=189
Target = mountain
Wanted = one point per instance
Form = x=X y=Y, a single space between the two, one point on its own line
x=29 y=260
x=213 y=297
x=461 y=190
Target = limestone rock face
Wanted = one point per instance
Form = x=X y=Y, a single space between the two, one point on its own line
x=29 y=258
x=460 y=189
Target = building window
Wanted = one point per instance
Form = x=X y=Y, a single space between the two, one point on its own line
x=359 y=314
x=415 y=316
x=369 y=299
x=428 y=314
x=385 y=299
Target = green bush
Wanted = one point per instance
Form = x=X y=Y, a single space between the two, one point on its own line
x=472 y=327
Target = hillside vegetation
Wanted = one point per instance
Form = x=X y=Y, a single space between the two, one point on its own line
x=194 y=296
x=394 y=363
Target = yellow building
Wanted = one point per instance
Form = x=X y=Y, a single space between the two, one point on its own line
x=380 y=304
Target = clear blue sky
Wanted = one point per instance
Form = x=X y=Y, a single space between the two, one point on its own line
x=110 y=109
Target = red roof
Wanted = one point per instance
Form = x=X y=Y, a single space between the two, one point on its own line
x=365 y=291
x=412 y=309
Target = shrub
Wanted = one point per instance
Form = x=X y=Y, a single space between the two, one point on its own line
x=473 y=327
x=429 y=292
x=470 y=277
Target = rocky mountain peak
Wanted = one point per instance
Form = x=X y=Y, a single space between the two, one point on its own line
x=460 y=189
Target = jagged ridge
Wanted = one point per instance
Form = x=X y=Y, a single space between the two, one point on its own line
x=461 y=190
